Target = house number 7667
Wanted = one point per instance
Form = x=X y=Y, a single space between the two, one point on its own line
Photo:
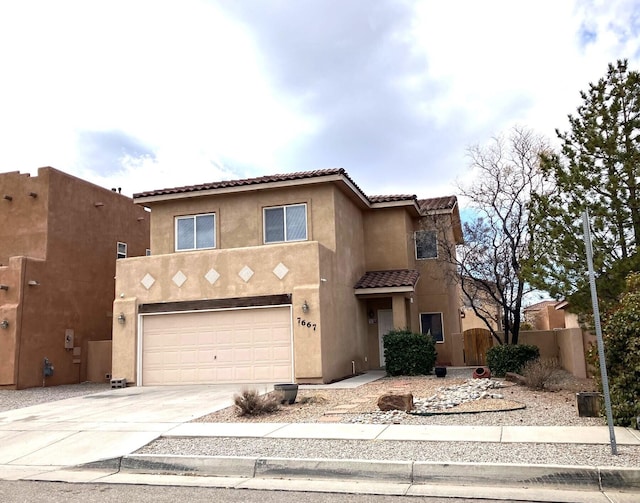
x=306 y=323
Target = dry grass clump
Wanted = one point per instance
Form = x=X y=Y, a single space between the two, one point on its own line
x=251 y=403
x=542 y=373
x=318 y=399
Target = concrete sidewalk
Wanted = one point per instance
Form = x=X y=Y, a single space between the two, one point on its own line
x=94 y=439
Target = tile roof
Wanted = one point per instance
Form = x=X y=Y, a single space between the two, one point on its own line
x=437 y=203
x=388 y=279
x=388 y=199
x=247 y=181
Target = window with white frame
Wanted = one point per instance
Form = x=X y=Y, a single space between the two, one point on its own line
x=196 y=232
x=431 y=324
x=426 y=244
x=285 y=223
x=121 y=250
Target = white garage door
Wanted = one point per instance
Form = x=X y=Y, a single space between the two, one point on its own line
x=234 y=346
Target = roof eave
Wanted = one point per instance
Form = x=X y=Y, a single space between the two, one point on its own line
x=385 y=290
x=276 y=184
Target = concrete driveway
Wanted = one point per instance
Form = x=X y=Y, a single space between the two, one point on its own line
x=102 y=425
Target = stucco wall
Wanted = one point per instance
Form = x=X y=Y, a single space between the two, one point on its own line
x=74 y=286
x=564 y=344
x=302 y=281
x=388 y=234
x=239 y=216
x=24 y=219
x=436 y=291
x=346 y=340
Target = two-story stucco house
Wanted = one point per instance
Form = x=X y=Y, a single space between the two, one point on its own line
x=281 y=278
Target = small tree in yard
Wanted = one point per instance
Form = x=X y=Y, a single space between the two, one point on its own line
x=408 y=353
x=498 y=250
x=621 y=336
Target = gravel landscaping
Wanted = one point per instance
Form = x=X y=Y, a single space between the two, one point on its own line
x=541 y=408
x=518 y=405
x=17 y=399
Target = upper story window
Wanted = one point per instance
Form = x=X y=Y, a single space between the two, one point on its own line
x=426 y=244
x=196 y=232
x=285 y=223
x=431 y=324
x=122 y=250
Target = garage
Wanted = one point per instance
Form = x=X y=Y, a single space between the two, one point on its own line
x=250 y=345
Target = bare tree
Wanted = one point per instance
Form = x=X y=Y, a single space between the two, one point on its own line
x=498 y=247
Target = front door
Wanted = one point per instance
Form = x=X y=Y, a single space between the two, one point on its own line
x=385 y=325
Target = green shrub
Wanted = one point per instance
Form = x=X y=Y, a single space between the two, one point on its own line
x=510 y=358
x=408 y=353
x=621 y=336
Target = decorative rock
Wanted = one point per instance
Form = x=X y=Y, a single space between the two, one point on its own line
x=395 y=402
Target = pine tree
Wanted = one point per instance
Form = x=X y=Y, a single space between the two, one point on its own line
x=597 y=169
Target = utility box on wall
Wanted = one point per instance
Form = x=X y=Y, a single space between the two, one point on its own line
x=68 y=338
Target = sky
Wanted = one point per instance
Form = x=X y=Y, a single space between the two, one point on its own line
x=151 y=94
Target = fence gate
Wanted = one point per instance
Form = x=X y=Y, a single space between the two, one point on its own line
x=476 y=343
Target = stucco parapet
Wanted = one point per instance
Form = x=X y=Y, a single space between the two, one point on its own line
x=219 y=273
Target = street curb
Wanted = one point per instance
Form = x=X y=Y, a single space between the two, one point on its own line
x=406 y=472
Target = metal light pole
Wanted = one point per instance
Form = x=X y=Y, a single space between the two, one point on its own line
x=596 y=320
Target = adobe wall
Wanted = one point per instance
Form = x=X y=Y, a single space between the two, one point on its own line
x=23 y=218
x=72 y=288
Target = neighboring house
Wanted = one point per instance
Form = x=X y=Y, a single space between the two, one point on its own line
x=571 y=320
x=544 y=315
x=483 y=302
x=59 y=240
x=281 y=278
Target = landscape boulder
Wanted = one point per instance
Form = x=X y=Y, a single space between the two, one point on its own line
x=392 y=401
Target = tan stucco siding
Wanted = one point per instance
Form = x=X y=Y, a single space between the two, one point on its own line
x=302 y=281
x=239 y=216
x=23 y=219
x=73 y=278
x=346 y=340
x=388 y=236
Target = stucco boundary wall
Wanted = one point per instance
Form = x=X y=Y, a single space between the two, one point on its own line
x=565 y=344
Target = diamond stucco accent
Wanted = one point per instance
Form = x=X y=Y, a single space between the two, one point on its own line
x=280 y=270
x=246 y=273
x=179 y=278
x=212 y=276
x=148 y=281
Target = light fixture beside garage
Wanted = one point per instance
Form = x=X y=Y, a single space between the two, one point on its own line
x=305 y=307
x=4 y=324
x=121 y=318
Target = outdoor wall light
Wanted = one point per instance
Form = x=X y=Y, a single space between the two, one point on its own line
x=4 y=324
x=33 y=282
x=4 y=287
x=7 y=197
x=305 y=307
x=121 y=318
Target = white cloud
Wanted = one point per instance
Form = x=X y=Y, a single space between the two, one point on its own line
x=394 y=92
